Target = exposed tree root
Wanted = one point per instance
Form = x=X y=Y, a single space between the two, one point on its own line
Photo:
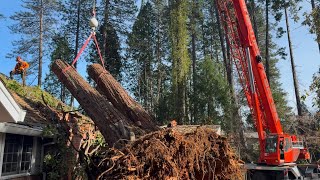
x=168 y=154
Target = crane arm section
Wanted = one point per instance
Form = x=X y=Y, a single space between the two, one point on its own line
x=246 y=54
x=249 y=41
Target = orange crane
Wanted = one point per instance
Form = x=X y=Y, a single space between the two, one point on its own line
x=278 y=151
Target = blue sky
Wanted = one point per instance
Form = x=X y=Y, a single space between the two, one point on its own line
x=306 y=52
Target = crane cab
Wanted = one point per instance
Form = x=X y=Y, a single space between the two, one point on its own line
x=281 y=149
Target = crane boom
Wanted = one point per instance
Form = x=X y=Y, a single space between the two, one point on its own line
x=276 y=147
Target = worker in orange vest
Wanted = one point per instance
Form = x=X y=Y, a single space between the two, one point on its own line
x=20 y=68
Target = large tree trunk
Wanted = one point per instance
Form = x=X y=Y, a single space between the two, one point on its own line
x=221 y=38
x=236 y=124
x=105 y=25
x=254 y=19
x=40 y=43
x=295 y=80
x=107 y=118
x=76 y=43
x=108 y=85
x=193 y=55
x=267 y=41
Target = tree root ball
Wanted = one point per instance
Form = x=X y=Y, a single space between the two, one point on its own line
x=168 y=154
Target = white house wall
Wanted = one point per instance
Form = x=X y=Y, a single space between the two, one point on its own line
x=10 y=111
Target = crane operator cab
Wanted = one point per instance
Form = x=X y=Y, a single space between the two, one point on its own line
x=283 y=148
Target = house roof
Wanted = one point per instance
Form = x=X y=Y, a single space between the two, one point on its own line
x=40 y=106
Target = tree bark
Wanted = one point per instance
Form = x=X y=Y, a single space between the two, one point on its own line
x=267 y=41
x=221 y=38
x=107 y=118
x=236 y=124
x=111 y=88
x=40 y=43
x=158 y=57
x=193 y=55
x=105 y=25
x=295 y=80
x=76 y=43
x=253 y=14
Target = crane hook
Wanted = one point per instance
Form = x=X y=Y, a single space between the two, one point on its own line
x=93 y=21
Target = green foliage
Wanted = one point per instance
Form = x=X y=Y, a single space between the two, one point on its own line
x=55 y=164
x=52 y=166
x=212 y=96
x=315 y=87
x=112 y=57
x=278 y=7
x=312 y=19
x=116 y=20
x=141 y=48
x=50 y=131
x=179 y=38
x=52 y=83
x=69 y=21
x=179 y=41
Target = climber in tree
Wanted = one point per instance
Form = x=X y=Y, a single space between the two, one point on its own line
x=20 y=68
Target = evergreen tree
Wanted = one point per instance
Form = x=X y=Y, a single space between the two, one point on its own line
x=162 y=72
x=312 y=19
x=116 y=18
x=213 y=95
x=51 y=84
x=180 y=57
x=35 y=23
x=111 y=51
x=76 y=14
x=141 y=49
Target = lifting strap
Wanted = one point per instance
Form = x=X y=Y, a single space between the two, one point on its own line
x=92 y=36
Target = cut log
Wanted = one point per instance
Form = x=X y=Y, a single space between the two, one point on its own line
x=120 y=99
x=107 y=118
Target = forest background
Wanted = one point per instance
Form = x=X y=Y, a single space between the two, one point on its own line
x=170 y=56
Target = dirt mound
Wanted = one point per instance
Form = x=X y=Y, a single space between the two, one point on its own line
x=168 y=154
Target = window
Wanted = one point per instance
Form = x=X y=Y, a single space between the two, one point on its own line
x=271 y=144
x=288 y=144
x=17 y=154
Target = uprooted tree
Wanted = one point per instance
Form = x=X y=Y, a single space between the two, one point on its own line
x=168 y=153
x=112 y=124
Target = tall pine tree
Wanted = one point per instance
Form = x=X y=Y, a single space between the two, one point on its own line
x=180 y=58
x=141 y=50
x=35 y=25
x=52 y=84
